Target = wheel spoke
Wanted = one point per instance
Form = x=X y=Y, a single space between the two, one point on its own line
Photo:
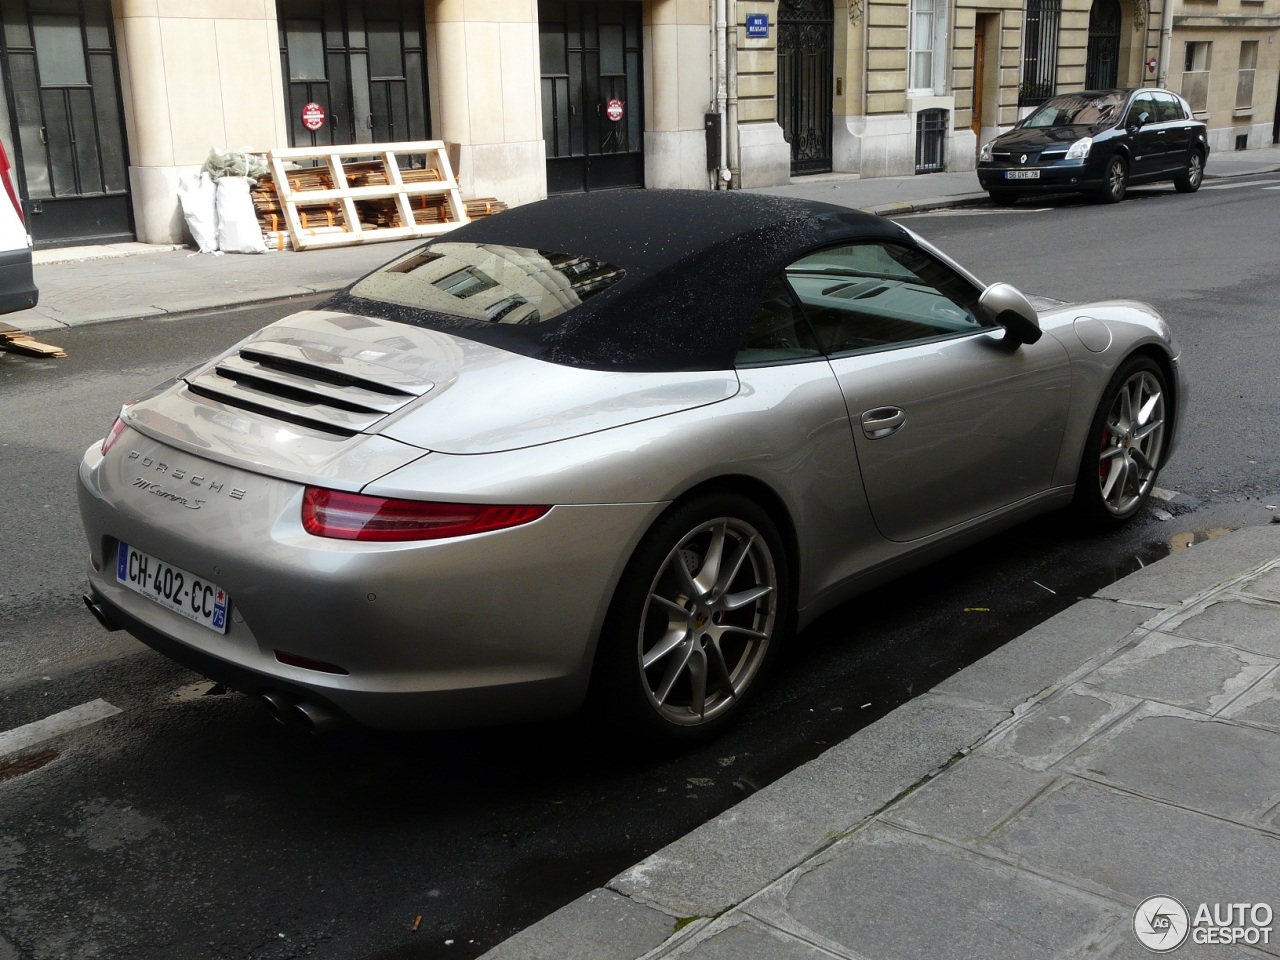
x=734 y=566
x=675 y=635
x=745 y=631
x=698 y=681
x=1143 y=432
x=719 y=670
x=1141 y=460
x=707 y=578
x=675 y=667
x=736 y=601
x=1116 y=479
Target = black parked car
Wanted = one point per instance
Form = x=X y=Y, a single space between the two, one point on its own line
x=1097 y=142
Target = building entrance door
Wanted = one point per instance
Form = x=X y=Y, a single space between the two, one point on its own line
x=592 y=94
x=1102 y=63
x=363 y=61
x=806 y=65
x=63 y=104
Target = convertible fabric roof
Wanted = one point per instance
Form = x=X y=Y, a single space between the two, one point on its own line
x=696 y=261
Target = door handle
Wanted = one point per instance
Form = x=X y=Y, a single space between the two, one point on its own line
x=882 y=421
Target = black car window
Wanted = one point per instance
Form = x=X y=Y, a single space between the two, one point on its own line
x=1140 y=106
x=779 y=331
x=1167 y=107
x=1077 y=110
x=871 y=296
x=488 y=282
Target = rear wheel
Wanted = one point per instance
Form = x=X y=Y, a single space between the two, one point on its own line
x=697 y=618
x=1189 y=180
x=1115 y=180
x=1126 y=443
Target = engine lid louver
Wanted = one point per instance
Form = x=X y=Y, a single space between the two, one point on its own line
x=320 y=384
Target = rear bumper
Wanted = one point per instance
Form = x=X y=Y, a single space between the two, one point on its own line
x=17 y=281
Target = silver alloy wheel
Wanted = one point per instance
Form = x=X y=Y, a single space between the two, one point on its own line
x=1115 y=179
x=708 y=620
x=1132 y=443
x=1195 y=169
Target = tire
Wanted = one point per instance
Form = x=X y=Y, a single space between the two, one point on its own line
x=1114 y=181
x=1003 y=198
x=1126 y=442
x=1189 y=181
x=697 y=618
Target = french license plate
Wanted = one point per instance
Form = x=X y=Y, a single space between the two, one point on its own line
x=172 y=587
x=1022 y=174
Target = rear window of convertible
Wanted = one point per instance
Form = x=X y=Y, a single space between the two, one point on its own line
x=489 y=282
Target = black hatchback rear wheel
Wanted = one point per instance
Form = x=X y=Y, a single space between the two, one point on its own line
x=1189 y=180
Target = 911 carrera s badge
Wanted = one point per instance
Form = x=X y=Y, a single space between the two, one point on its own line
x=174 y=472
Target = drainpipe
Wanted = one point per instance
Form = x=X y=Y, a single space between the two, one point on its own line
x=731 y=117
x=721 y=30
x=1166 y=43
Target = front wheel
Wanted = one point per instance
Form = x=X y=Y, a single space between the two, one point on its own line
x=699 y=614
x=1114 y=181
x=1125 y=445
x=1189 y=180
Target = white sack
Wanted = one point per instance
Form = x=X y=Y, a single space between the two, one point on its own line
x=238 y=229
x=197 y=195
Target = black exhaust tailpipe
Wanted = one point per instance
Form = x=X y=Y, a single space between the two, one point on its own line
x=100 y=613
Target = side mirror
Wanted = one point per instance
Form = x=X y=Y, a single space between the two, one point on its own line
x=1005 y=305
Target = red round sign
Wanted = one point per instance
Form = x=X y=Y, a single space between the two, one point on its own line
x=313 y=116
x=613 y=109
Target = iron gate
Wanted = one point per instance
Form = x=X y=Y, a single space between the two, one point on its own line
x=806 y=64
x=68 y=129
x=1102 y=65
x=363 y=61
x=592 y=99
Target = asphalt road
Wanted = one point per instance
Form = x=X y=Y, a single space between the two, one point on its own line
x=189 y=825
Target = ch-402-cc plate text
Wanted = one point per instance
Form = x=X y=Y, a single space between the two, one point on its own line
x=179 y=590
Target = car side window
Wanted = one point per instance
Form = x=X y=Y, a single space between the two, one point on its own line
x=1140 y=106
x=779 y=331
x=1167 y=107
x=877 y=295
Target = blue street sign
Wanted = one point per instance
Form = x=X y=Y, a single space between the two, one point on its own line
x=757 y=25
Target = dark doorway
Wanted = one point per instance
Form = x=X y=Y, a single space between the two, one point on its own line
x=592 y=95
x=363 y=61
x=64 y=111
x=806 y=64
x=1102 y=65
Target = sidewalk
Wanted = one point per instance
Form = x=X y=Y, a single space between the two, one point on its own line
x=83 y=285
x=1021 y=810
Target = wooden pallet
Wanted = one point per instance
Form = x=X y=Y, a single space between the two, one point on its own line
x=15 y=340
x=377 y=168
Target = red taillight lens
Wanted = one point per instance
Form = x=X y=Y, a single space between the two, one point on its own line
x=113 y=435
x=355 y=516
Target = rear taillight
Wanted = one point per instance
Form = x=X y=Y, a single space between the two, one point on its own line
x=7 y=183
x=356 y=516
x=117 y=428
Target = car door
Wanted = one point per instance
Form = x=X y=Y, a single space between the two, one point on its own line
x=1146 y=137
x=949 y=420
x=1175 y=131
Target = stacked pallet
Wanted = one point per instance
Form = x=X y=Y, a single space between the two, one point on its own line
x=11 y=338
x=380 y=213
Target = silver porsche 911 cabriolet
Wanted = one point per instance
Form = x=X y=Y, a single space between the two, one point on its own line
x=619 y=445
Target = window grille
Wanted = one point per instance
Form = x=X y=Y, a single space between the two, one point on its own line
x=1039 y=52
x=931 y=141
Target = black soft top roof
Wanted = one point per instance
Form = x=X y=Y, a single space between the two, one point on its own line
x=696 y=264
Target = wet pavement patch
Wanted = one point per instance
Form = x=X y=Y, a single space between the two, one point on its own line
x=26 y=763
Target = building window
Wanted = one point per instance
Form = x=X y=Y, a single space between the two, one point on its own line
x=1039 y=52
x=1195 y=78
x=927 y=36
x=1244 y=80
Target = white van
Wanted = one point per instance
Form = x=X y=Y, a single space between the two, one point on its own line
x=17 y=282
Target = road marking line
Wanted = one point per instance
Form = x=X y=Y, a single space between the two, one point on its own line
x=20 y=738
x=1240 y=186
